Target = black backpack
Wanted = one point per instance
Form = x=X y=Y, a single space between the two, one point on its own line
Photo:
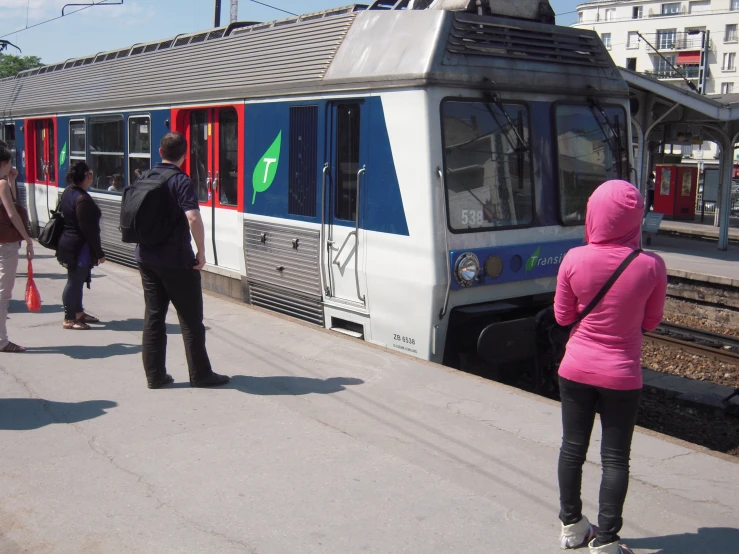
x=148 y=211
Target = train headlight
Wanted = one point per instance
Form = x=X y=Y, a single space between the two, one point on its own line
x=493 y=266
x=467 y=269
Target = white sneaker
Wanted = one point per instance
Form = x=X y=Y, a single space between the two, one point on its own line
x=610 y=548
x=577 y=534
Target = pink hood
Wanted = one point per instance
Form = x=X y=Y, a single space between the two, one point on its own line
x=614 y=216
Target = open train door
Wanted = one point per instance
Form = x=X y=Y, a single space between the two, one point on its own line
x=216 y=148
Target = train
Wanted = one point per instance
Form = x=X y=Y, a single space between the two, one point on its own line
x=407 y=175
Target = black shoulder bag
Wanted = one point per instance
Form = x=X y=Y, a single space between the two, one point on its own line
x=52 y=231
x=604 y=290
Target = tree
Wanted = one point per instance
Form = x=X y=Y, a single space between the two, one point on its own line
x=11 y=65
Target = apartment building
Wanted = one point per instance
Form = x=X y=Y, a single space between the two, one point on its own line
x=691 y=44
x=697 y=40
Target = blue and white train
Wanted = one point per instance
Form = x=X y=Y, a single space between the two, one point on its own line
x=412 y=177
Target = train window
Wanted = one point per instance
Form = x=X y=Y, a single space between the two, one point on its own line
x=107 y=152
x=590 y=141
x=139 y=147
x=199 y=138
x=347 y=160
x=303 y=160
x=228 y=153
x=77 y=140
x=9 y=137
x=488 y=165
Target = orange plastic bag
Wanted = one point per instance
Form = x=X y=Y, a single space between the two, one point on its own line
x=33 y=298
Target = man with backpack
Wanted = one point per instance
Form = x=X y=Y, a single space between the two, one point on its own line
x=159 y=212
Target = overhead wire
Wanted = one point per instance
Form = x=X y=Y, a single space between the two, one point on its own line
x=52 y=19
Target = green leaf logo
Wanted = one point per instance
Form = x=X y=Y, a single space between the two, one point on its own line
x=266 y=169
x=63 y=154
x=533 y=260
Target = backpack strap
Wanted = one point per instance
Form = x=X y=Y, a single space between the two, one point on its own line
x=164 y=175
x=604 y=290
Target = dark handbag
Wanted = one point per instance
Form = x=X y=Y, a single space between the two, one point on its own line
x=52 y=231
x=8 y=232
x=604 y=290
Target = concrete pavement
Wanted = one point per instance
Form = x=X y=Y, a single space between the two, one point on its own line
x=321 y=444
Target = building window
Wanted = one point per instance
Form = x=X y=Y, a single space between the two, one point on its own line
x=734 y=5
x=106 y=151
x=671 y=9
x=579 y=17
x=663 y=67
x=631 y=64
x=301 y=194
x=606 y=38
x=77 y=140
x=139 y=149
x=729 y=61
x=727 y=88
x=730 y=35
x=610 y=14
x=666 y=39
x=637 y=12
x=632 y=40
x=703 y=6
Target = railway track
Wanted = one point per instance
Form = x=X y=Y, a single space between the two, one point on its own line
x=719 y=347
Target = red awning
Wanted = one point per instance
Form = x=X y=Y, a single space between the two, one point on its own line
x=689 y=57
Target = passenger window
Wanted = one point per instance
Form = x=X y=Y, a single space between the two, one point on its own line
x=199 y=152
x=347 y=160
x=228 y=161
x=106 y=152
x=303 y=160
x=139 y=147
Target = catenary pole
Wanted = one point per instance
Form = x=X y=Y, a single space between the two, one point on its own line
x=218 y=14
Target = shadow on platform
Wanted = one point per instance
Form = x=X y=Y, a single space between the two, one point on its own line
x=19 y=306
x=82 y=352
x=25 y=414
x=135 y=324
x=716 y=540
x=290 y=386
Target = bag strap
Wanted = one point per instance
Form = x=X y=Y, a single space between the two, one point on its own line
x=604 y=290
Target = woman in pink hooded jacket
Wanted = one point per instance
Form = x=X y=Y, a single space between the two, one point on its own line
x=601 y=369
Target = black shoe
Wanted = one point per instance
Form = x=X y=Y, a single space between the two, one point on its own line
x=212 y=380
x=159 y=383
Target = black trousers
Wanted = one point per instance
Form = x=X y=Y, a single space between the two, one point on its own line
x=72 y=294
x=617 y=410
x=182 y=287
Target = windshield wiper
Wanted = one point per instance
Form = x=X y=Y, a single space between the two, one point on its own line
x=596 y=108
x=493 y=99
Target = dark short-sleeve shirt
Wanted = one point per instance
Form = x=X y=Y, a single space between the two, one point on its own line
x=176 y=252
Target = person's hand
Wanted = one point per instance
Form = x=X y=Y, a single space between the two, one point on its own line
x=101 y=260
x=199 y=261
x=29 y=250
x=13 y=174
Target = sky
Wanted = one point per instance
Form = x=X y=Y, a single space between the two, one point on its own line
x=103 y=28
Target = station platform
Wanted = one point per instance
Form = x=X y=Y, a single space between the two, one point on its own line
x=698 y=260
x=320 y=444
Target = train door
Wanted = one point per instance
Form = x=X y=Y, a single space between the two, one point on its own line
x=42 y=164
x=343 y=240
x=213 y=166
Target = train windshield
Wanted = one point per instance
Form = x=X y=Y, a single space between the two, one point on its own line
x=488 y=165
x=590 y=140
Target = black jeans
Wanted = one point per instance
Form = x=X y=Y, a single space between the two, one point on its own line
x=72 y=295
x=181 y=287
x=617 y=410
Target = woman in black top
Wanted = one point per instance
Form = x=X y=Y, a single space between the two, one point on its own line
x=79 y=246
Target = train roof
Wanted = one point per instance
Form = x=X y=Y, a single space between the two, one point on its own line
x=349 y=48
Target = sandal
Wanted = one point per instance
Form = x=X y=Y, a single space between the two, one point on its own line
x=77 y=324
x=87 y=318
x=12 y=347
